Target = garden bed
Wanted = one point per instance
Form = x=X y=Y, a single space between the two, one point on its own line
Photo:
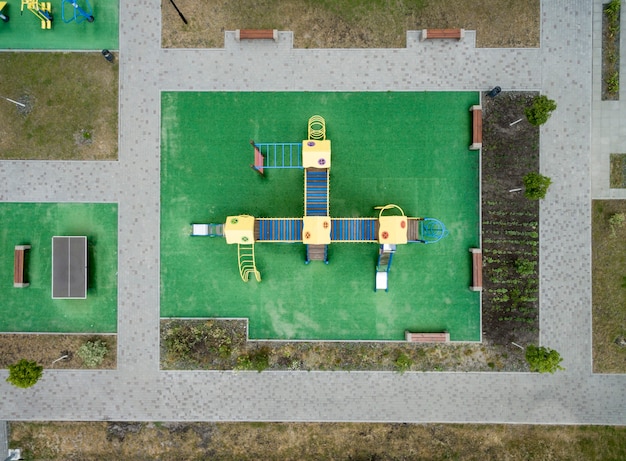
x=610 y=50
x=45 y=349
x=510 y=224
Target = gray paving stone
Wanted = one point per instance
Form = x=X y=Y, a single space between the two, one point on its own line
x=574 y=148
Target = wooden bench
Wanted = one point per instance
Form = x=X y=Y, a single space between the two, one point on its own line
x=256 y=34
x=442 y=337
x=477 y=127
x=477 y=269
x=18 y=273
x=456 y=34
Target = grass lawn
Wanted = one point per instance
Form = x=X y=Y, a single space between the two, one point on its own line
x=351 y=23
x=296 y=441
x=24 y=32
x=71 y=106
x=32 y=309
x=609 y=287
x=405 y=148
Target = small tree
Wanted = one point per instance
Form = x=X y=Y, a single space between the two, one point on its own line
x=543 y=360
x=540 y=110
x=92 y=353
x=536 y=185
x=24 y=373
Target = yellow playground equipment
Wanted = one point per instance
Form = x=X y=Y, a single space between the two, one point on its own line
x=42 y=10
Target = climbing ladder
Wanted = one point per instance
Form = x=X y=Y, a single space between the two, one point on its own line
x=277 y=155
x=354 y=230
x=316 y=253
x=316 y=192
x=278 y=230
x=247 y=264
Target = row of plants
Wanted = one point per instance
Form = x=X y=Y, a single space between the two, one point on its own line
x=610 y=49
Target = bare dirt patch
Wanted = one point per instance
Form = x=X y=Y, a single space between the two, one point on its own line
x=350 y=24
x=47 y=348
x=510 y=221
x=331 y=441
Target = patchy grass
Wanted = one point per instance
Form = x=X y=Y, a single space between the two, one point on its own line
x=609 y=286
x=350 y=23
x=618 y=171
x=71 y=104
x=222 y=345
x=46 y=348
x=293 y=441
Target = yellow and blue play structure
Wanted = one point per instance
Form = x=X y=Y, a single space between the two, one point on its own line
x=317 y=229
x=42 y=10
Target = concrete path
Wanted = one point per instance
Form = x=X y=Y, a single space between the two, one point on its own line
x=137 y=390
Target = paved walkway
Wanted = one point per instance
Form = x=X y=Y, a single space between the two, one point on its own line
x=137 y=390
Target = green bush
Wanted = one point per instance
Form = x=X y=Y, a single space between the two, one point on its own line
x=258 y=360
x=92 y=353
x=24 y=373
x=612 y=11
x=403 y=363
x=616 y=221
x=543 y=360
x=536 y=185
x=540 y=110
x=524 y=266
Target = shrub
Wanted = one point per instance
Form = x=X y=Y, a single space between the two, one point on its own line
x=24 y=373
x=403 y=363
x=524 y=266
x=536 y=185
x=616 y=221
x=92 y=353
x=540 y=110
x=612 y=83
x=258 y=360
x=612 y=11
x=543 y=360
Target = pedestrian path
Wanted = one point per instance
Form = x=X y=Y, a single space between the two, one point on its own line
x=137 y=390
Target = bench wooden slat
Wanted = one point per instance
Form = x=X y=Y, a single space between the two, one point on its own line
x=457 y=34
x=18 y=266
x=442 y=337
x=256 y=34
x=477 y=127
x=477 y=269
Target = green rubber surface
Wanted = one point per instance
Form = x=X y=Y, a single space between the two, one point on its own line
x=410 y=149
x=24 y=32
x=32 y=309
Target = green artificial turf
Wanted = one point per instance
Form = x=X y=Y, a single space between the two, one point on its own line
x=410 y=149
x=32 y=309
x=24 y=32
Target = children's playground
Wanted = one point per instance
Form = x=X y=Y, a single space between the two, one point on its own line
x=59 y=25
x=42 y=277
x=321 y=216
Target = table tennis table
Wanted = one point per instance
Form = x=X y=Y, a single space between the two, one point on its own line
x=69 y=267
